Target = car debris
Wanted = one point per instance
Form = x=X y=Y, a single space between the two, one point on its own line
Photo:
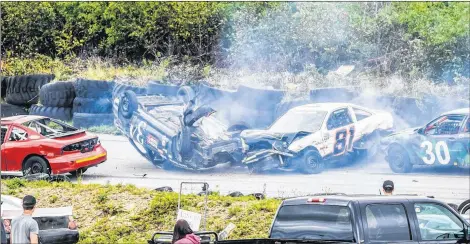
x=444 y=141
x=176 y=132
x=36 y=144
x=306 y=137
x=164 y=189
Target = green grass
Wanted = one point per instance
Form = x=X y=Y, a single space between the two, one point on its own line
x=128 y=214
x=105 y=129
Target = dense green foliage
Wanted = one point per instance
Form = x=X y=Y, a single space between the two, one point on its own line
x=414 y=39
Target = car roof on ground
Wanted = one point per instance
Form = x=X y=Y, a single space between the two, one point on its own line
x=20 y=119
x=465 y=111
x=325 y=106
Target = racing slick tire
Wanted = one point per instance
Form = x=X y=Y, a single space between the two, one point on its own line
x=86 y=120
x=24 y=90
x=78 y=173
x=57 y=94
x=464 y=207
x=93 y=88
x=185 y=94
x=399 y=160
x=8 y=110
x=35 y=165
x=64 y=114
x=92 y=105
x=128 y=104
x=311 y=162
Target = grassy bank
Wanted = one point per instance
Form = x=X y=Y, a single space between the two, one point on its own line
x=127 y=214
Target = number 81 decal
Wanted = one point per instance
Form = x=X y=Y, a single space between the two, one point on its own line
x=341 y=143
x=441 y=147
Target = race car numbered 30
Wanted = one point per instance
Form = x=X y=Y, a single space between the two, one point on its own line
x=439 y=151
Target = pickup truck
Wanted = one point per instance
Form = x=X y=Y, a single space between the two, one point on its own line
x=369 y=219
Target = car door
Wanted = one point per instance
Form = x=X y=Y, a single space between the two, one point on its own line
x=387 y=222
x=362 y=123
x=444 y=140
x=437 y=223
x=340 y=130
x=15 y=148
x=4 y=134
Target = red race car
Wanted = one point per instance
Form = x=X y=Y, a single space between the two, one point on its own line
x=37 y=144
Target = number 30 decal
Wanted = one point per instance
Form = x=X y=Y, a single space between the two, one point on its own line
x=430 y=157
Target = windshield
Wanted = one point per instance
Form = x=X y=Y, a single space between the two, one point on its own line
x=299 y=120
x=313 y=222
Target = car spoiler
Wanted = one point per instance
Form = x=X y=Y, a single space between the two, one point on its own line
x=38 y=212
x=66 y=134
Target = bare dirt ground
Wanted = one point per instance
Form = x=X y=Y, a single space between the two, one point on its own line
x=125 y=165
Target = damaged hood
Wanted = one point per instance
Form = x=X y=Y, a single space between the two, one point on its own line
x=253 y=136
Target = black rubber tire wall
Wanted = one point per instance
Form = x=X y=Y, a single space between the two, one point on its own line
x=93 y=88
x=155 y=88
x=92 y=106
x=57 y=94
x=64 y=114
x=86 y=120
x=8 y=110
x=24 y=90
x=3 y=83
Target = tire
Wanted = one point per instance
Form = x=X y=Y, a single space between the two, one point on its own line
x=334 y=94
x=464 y=206
x=121 y=88
x=8 y=110
x=24 y=90
x=35 y=165
x=186 y=94
x=64 y=114
x=92 y=106
x=93 y=88
x=85 y=120
x=128 y=104
x=399 y=162
x=311 y=163
x=78 y=173
x=3 y=84
x=155 y=88
x=57 y=94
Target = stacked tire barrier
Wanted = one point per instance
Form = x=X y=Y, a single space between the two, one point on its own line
x=56 y=101
x=20 y=92
x=92 y=105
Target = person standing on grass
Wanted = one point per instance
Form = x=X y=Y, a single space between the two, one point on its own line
x=24 y=229
x=182 y=234
x=388 y=187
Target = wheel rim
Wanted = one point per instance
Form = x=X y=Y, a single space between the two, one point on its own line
x=36 y=168
x=125 y=104
x=398 y=160
x=313 y=162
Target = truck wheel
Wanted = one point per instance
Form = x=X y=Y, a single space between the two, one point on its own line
x=398 y=160
x=464 y=207
x=35 y=165
x=311 y=163
x=128 y=104
x=78 y=173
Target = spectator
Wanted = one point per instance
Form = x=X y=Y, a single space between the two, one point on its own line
x=182 y=234
x=388 y=187
x=24 y=229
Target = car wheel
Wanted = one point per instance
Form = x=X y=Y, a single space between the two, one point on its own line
x=464 y=207
x=128 y=104
x=311 y=163
x=35 y=165
x=185 y=94
x=398 y=160
x=79 y=172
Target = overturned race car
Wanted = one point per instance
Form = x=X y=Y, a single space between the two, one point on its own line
x=443 y=141
x=176 y=131
x=306 y=137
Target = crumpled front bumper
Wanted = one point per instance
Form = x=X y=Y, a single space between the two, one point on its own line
x=263 y=154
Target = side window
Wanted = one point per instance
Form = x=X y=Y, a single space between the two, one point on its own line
x=361 y=114
x=18 y=134
x=339 y=118
x=436 y=222
x=4 y=133
x=445 y=125
x=387 y=222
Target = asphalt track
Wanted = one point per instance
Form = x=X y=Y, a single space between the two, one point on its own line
x=126 y=166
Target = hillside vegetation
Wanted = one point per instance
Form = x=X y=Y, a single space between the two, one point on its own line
x=127 y=214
